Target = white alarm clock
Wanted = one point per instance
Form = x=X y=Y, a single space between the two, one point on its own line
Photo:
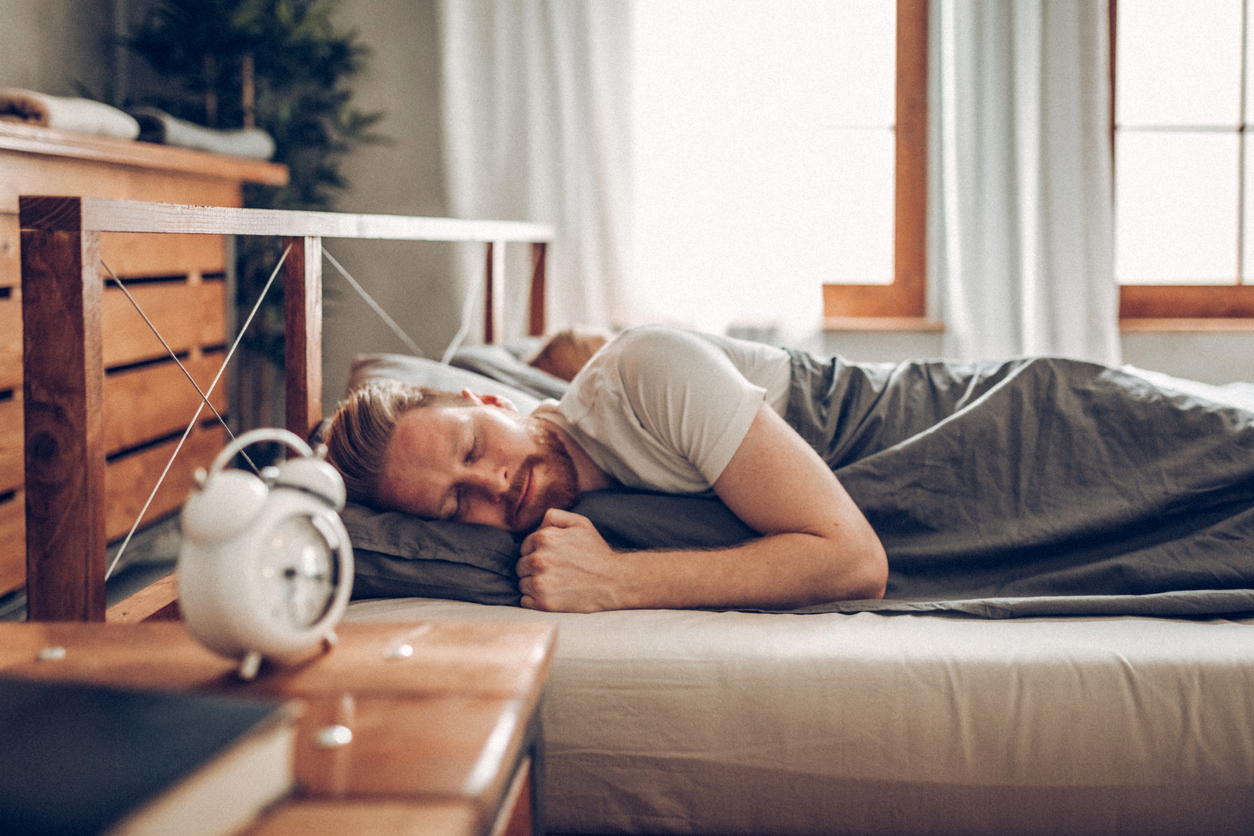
x=265 y=568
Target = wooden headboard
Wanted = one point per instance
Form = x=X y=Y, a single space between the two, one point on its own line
x=63 y=369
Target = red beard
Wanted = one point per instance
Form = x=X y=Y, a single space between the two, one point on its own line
x=560 y=491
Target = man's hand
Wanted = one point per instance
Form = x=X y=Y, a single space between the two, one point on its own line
x=816 y=546
x=567 y=566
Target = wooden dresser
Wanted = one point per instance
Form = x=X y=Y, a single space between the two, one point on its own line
x=179 y=281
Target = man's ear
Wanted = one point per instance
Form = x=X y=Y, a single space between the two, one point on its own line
x=489 y=400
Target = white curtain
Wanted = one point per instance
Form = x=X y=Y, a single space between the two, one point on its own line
x=1022 y=254
x=536 y=108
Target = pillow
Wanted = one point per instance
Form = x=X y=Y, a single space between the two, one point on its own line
x=503 y=365
x=424 y=372
x=399 y=555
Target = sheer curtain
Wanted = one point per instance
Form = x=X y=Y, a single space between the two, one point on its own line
x=1022 y=255
x=536 y=108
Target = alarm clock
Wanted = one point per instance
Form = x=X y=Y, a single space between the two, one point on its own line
x=265 y=568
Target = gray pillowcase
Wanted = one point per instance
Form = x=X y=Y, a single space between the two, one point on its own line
x=502 y=365
x=399 y=555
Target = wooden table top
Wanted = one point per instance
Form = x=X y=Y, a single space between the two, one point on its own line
x=439 y=710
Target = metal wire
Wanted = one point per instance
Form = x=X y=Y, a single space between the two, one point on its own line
x=391 y=323
x=175 y=358
x=199 y=407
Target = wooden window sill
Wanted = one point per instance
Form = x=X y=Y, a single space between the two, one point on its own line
x=883 y=323
x=1151 y=325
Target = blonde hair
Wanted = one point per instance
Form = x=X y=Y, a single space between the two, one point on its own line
x=359 y=432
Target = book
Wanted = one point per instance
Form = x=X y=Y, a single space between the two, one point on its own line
x=90 y=759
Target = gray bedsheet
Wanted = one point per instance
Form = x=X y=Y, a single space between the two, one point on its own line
x=1038 y=486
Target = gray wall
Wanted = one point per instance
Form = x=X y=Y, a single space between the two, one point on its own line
x=404 y=177
x=51 y=44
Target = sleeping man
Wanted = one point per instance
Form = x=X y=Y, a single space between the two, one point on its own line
x=1100 y=481
x=658 y=408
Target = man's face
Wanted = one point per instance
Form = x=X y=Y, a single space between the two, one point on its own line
x=482 y=463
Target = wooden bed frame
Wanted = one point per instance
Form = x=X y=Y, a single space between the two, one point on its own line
x=63 y=370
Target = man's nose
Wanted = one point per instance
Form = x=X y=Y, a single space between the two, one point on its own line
x=492 y=479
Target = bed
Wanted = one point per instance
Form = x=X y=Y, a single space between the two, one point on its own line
x=923 y=713
x=943 y=716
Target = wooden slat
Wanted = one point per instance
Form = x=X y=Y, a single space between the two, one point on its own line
x=107 y=215
x=156 y=602
x=12 y=442
x=130 y=480
x=149 y=402
x=142 y=255
x=62 y=388
x=10 y=262
x=11 y=339
x=187 y=315
x=12 y=542
x=66 y=146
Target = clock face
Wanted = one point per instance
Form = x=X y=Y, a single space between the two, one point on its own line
x=297 y=568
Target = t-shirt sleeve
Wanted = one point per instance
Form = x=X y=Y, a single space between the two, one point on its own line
x=686 y=404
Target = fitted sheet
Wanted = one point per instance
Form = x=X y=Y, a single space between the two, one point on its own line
x=757 y=723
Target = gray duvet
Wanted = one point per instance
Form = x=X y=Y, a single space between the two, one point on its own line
x=1024 y=488
x=1038 y=486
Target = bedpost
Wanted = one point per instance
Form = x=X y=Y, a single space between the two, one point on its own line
x=63 y=388
x=302 y=300
x=494 y=292
x=539 y=250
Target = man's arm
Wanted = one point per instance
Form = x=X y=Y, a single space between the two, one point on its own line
x=816 y=545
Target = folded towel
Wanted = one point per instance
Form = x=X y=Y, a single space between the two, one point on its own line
x=158 y=126
x=66 y=114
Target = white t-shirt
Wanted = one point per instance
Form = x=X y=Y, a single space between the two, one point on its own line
x=665 y=409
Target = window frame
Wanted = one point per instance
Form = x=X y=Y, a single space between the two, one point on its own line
x=1152 y=307
x=902 y=304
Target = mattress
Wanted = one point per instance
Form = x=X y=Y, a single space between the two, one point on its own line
x=662 y=722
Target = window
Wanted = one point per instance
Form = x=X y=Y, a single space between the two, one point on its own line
x=1184 y=190
x=780 y=154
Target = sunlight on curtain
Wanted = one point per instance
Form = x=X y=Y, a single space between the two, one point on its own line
x=1023 y=261
x=536 y=128
x=762 y=159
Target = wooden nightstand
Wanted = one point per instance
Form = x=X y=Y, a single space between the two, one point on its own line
x=446 y=737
